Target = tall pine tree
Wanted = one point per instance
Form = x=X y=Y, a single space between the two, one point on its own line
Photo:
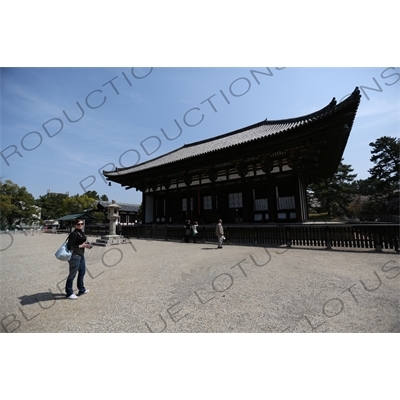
x=385 y=175
x=333 y=195
x=386 y=157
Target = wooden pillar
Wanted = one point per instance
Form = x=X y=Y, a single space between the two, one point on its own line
x=154 y=207
x=143 y=207
x=304 y=202
x=243 y=170
x=188 y=203
x=246 y=201
x=154 y=186
x=297 y=198
x=212 y=175
x=300 y=200
x=148 y=208
x=214 y=201
x=199 y=204
x=272 y=201
x=167 y=206
x=167 y=183
x=188 y=181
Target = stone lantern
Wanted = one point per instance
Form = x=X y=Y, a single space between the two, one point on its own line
x=113 y=215
x=112 y=237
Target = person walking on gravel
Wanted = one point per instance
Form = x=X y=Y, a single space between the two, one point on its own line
x=219 y=231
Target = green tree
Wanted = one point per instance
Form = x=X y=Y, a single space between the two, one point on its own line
x=5 y=206
x=385 y=175
x=365 y=187
x=94 y=195
x=379 y=193
x=386 y=157
x=333 y=195
x=77 y=204
x=140 y=212
x=100 y=217
x=51 y=205
x=17 y=204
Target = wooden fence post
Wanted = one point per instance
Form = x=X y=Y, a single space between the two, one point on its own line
x=328 y=238
x=288 y=236
x=377 y=240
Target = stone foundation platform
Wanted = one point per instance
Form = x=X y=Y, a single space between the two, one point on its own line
x=109 y=240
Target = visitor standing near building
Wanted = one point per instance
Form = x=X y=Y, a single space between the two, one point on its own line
x=195 y=226
x=219 y=231
x=188 y=230
x=119 y=228
x=77 y=243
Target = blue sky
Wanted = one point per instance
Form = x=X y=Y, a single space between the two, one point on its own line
x=122 y=112
x=177 y=34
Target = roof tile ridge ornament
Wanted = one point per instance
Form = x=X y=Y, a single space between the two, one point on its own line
x=331 y=105
x=352 y=102
x=354 y=97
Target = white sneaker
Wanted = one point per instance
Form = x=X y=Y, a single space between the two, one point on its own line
x=72 y=297
x=86 y=291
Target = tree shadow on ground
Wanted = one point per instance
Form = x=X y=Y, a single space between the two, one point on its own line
x=40 y=297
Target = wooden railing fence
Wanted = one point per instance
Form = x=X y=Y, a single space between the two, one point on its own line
x=361 y=236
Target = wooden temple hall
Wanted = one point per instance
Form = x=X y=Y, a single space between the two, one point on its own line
x=254 y=174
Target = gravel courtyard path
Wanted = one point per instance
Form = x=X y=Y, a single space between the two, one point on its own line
x=159 y=286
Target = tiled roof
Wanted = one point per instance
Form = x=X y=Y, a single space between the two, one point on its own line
x=71 y=217
x=252 y=133
x=127 y=207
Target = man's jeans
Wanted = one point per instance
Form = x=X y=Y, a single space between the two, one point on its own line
x=77 y=265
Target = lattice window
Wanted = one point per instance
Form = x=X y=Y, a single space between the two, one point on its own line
x=286 y=203
x=235 y=200
x=260 y=204
x=207 y=202
x=184 y=204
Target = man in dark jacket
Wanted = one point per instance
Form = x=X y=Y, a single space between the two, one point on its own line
x=77 y=243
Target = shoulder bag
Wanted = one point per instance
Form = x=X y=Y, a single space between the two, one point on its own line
x=63 y=254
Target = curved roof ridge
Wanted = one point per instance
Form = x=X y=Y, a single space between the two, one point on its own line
x=286 y=121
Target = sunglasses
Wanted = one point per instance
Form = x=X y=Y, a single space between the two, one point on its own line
x=79 y=223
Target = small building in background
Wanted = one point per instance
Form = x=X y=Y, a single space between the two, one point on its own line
x=128 y=212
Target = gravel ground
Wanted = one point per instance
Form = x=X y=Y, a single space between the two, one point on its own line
x=159 y=286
